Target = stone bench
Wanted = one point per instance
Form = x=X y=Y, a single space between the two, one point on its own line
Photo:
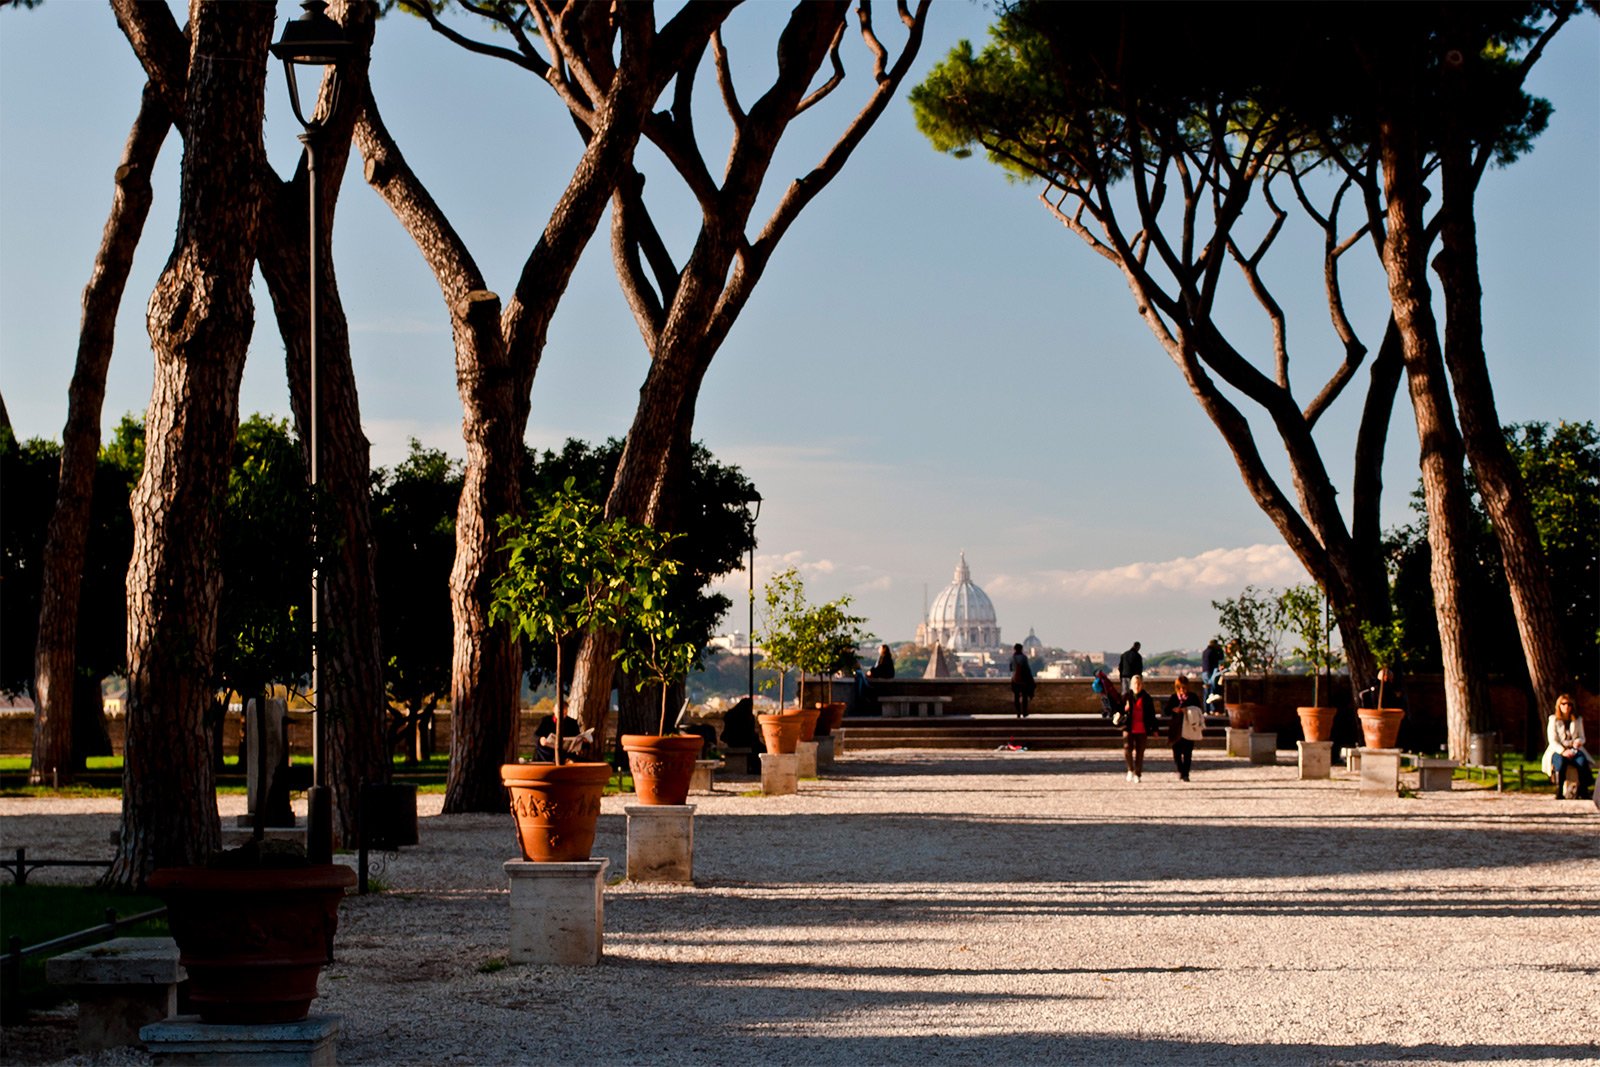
x=704 y=774
x=905 y=706
x=1434 y=774
x=120 y=985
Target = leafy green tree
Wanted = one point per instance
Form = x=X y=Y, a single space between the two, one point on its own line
x=414 y=521
x=1252 y=625
x=1304 y=612
x=1560 y=465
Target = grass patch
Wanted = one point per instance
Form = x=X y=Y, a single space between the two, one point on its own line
x=493 y=965
x=39 y=913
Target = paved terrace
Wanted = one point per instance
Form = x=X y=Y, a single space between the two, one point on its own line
x=980 y=908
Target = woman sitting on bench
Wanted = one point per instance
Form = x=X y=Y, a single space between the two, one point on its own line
x=1565 y=733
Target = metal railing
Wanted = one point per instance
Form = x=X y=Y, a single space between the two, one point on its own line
x=11 y=962
x=20 y=866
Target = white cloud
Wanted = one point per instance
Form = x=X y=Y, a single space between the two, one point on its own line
x=1216 y=571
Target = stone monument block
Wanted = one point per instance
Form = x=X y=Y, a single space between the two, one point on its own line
x=1316 y=760
x=660 y=842
x=780 y=774
x=1263 y=747
x=557 y=911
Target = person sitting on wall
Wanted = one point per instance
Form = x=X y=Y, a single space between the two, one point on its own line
x=739 y=727
x=544 y=742
x=1565 y=734
x=884 y=668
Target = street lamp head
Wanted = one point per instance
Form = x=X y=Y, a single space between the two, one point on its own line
x=312 y=40
x=752 y=504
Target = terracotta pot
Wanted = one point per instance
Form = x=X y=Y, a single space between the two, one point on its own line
x=1247 y=716
x=808 y=722
x=780 y=732
x=832 y=717
x=253 y=941
x=1316 y=723
x=662 y=765
x=556 y=808
x=1380 y=727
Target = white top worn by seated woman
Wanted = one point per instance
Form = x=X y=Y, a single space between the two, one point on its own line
x=1562 y=735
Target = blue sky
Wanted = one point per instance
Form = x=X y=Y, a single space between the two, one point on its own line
x=930 y=364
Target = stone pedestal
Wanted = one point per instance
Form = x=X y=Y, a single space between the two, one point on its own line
x=1435 y=774
x=184 y=1040
x=701 y=782
x=1239 y=741
x=807 y=751
x=1380 y=771
x=1263 y=747
x=120 y=985
x=780 y=774
x=234 y=836
x=557 y=911
x=824 y=752
x=660 y=842
x=1316 y=759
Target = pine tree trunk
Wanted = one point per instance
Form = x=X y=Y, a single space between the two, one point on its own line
x=1500 y=483
x=200 y=320
x=55 y=659
x=1442 y=459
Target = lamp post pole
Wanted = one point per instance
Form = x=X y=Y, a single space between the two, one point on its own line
x=753 y=508
x=314 y=40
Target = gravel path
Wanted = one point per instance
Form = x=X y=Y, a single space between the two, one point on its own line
x=975 y=907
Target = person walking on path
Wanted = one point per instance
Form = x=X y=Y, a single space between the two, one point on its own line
x=1565 y=733
x=1021 y=681
x=1183 y=714
x=1138 y=720
x=1210 y=670
x=1130 y=665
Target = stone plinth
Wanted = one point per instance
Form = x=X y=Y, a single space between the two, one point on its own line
x=807 y=751
x=660 y=842
x=184 y=1040
x=1380 y=771
x=702 y=781
x=824 y=752
x=1263 y=747
x=1239 y=741
x=1435 y=774
x=234 y=836
x=1316 y=759
x=120 y=985
x=780 y=774
x=557 y=911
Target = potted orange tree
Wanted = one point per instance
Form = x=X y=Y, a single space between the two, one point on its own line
x=662 y=764
x=782 y=640
x=1305 y=610
x=1252 y=624
x=1380 y=726
x=571 y=570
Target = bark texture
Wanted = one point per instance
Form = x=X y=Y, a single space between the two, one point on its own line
x=55 y=661
x=200 y=320
x=1442 y=457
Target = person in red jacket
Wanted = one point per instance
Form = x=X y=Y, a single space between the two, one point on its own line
x=1138 y=723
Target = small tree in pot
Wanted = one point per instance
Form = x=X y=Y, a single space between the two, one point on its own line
x=653 y=651
x=1380 y=725
x=782 y=636
x=571 y=571
x=1305 y=610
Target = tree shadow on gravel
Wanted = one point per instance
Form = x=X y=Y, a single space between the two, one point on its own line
x=941 y=848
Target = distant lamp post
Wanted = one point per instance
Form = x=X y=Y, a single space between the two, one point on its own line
x=314 y=40
x=752 y=507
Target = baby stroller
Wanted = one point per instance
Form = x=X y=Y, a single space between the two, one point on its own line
x=1110 y=695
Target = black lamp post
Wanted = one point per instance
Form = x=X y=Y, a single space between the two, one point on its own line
x=313 y=40
x=752 y=507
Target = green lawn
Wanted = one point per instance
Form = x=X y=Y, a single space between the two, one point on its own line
x=39 y=913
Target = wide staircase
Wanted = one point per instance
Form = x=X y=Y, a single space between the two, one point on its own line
x=1035 y=733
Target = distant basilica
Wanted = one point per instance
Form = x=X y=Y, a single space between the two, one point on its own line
x=961 y=618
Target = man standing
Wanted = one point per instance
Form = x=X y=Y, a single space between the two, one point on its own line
x=1130 y=664
x=1210 y=665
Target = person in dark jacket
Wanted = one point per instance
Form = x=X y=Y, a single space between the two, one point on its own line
x=1130 y=664
x=1210 y=669
x=1139 y=722
x=1182 y=747
x=1021 y=681
x=884 y=668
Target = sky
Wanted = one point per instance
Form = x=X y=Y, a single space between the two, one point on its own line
x=931 y=365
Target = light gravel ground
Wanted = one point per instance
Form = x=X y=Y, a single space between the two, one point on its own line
x=986 y=908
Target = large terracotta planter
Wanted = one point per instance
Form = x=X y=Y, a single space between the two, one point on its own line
x=1246 y=716
x=662 y=766
x=1316 y=723
x=780 y=732
x=1380 y=727
x=832 y=717
x=556 y=808
x=253 y=941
